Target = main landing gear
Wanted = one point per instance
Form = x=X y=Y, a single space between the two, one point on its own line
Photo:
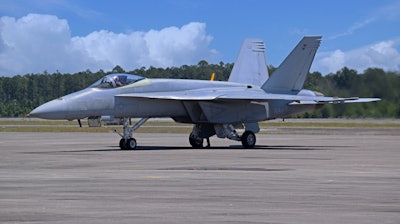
x=127 y=142
x=199 y=133
x=195 y=141
x=248 y=139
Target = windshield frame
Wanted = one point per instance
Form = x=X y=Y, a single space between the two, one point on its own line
x=116 y=80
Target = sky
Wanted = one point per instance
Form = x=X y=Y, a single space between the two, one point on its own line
x=70 y=36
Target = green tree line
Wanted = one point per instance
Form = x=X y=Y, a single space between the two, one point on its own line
x=20 y=94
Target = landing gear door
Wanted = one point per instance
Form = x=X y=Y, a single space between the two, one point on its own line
x=94 y=122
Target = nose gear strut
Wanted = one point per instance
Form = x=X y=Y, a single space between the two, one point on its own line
x=127 y=142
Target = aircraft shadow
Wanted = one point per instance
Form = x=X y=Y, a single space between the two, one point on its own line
x=231 y=147
x=296 y=147
x=239 y=147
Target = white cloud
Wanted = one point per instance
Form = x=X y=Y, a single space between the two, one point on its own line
x=383 y=55
x=36 y=42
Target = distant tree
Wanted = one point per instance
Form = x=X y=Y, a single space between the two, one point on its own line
x=271 y=69
x=20 y=94
x=118 y=69
x=202 y=63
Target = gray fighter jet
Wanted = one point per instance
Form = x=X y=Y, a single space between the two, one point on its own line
x=214 y=107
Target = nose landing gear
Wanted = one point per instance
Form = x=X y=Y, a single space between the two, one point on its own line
x=127 y=142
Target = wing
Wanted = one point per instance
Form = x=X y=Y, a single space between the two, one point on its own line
x=216 y=106
x=243 y=94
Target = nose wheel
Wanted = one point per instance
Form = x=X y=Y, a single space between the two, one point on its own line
x=127 y=142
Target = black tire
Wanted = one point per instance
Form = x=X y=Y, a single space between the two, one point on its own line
x=122 y=144
x=131 y=144
x=248 y=140
x=196 y=143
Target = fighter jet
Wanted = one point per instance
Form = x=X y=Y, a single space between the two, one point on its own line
x=213 y=107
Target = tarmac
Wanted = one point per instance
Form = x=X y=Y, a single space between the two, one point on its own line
x=289 y=178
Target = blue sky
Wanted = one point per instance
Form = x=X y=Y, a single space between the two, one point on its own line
x=75 y=35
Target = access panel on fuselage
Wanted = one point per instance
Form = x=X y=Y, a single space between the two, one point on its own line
x=146 y=107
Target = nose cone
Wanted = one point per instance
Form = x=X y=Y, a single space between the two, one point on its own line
x=55 y=109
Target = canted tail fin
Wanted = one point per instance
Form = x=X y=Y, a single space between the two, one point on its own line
x=292 y=72
x=250 y=66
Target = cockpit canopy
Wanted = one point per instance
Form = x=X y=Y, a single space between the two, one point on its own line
x=116 y=80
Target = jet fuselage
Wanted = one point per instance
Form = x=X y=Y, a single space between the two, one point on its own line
x=96 y=101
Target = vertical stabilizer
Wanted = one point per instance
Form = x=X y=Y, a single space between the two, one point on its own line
x=250 y=66
x=292 y=72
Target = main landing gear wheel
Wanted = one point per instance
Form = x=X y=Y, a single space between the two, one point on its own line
x=248 y=140
x=196 y=143
x=129 y=144
x=122 y=144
